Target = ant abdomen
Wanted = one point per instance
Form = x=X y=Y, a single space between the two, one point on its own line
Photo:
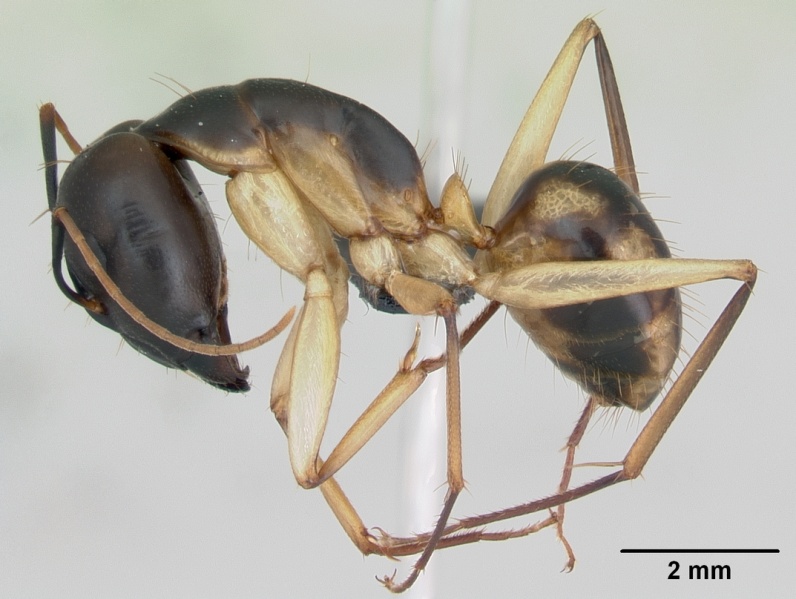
x=620 y=350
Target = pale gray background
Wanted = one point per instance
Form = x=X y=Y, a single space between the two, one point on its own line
x=121 y=479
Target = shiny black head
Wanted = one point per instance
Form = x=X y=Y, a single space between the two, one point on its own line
x=147 y=221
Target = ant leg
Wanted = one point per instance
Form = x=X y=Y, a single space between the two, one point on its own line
x=647 y=441
x=572 y=445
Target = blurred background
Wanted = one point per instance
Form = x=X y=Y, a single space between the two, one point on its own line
x=119 y=478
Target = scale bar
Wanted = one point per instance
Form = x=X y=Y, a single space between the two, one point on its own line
x=699 y=551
